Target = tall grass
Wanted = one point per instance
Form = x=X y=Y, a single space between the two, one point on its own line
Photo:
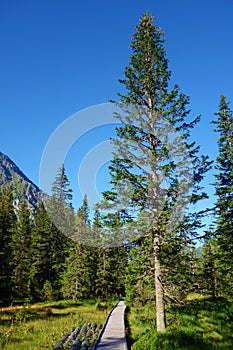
x=41 y=326
x=201 y=324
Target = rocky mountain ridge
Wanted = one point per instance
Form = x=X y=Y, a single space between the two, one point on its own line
x=23 y=187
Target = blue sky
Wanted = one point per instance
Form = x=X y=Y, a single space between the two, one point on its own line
x=59 y=57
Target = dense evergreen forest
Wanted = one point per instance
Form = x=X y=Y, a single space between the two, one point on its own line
x=39 y=262
x=161 y=266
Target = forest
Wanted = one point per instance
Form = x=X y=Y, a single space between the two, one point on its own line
x=154 y=248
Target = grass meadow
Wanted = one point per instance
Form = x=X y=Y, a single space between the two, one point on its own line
x=200 y=324
x=41 y=326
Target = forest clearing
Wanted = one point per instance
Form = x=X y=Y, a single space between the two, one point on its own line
x=41 y=326
x=201 y=323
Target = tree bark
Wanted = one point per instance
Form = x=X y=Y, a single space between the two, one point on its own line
x=153 y=192
x=159 y=292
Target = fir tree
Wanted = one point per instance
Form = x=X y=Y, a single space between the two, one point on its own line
x=41 y=269
x=74 y=274
x=60 y=187
x=118 y=265
x=59 y=206
x=49 y=250
x=7 y=224
x=112 y=253
x=104 y=277
x=224 y=192
x=79 y=274
x=84 y=230
x=61 y=213
x=103 y=274
x=209 y=268
x=22 y=252
x=148 y=152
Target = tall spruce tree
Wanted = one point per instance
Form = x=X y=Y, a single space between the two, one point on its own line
x=112 y=252
x=59 y=205
x=41 y=268
x=224 y=193
x=61 y=213
x=209 y=268
x=103 y=273
x=146 y=154
x=88 y=253
x=79 y=274
x=22 y=258
x=7 y=224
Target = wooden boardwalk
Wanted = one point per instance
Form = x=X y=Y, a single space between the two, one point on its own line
x=113 y=336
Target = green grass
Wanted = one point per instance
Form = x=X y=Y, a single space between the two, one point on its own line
x=41 y=326
x=201 y=324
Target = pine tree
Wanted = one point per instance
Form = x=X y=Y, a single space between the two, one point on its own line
x=105 y=274
x=112 y=254
x=22 y=252
x=41 y=269
x=79 y=274
x=209 y=268
x=224 y=192
x=118 y=265
x=7 y=223
x=60 y=187
x=73 y=278
x=110 y=272
x=101 y=267
x=140 y=274
x=84 y=230
x=61 y=213
x=151 y=147
x=59 y=206
x=48 y=255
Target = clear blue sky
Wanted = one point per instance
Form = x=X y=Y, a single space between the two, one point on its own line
x=60 y=56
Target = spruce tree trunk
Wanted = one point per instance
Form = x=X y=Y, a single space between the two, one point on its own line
x=159 y=293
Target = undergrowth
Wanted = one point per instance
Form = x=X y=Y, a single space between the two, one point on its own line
x=201 y=324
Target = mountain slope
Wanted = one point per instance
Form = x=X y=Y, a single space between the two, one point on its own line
x=10 y=174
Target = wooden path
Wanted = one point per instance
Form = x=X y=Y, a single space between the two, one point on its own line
x=113 y=336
